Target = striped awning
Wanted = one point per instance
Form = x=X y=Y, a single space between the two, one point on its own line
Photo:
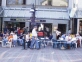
x=17 y=13
x=39 y=13
x=52 y=14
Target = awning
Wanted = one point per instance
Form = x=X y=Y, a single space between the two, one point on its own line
x=52 y=14
x=17 y=13
x=48 y=14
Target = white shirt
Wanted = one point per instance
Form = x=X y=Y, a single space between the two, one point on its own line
x=34 y=32
x=27 y=37
x=73 y=39
x=14 y=37
x=67 y=38
x=47 y=29
x=61 y=38
x=58 y=32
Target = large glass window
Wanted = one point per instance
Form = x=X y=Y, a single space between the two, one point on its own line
x=55 y=2
x=39 y=2
x=0 y=2
x=16 y=2
x=80 y=27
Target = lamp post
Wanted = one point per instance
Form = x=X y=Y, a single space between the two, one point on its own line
x=33 y=11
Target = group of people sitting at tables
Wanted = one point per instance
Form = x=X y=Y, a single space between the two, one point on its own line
x=31 y=38
x=71 y=40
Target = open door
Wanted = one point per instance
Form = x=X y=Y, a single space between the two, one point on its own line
x=62 y=28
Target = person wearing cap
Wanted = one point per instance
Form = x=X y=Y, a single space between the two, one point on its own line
x=34 y=38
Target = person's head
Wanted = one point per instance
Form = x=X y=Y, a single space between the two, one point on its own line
x=28 y=33
x=35 y=27
x=77 y=35
x=69 y=28
x=11 y=26
x=27 y=27
x=11 y=34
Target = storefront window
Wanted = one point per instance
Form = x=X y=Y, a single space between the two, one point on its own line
x=62 y=3
x=16 y=2
x=80 y=27
x=55 y=2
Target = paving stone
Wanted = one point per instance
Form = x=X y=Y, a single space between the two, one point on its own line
x=48 y=54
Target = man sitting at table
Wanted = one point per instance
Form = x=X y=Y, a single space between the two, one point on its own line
x=73 y=42
x=63 y=36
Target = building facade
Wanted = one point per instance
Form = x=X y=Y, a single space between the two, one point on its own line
x=52 y=13
x=76 y=20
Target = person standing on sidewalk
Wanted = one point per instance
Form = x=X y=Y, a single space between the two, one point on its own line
x=34 y=38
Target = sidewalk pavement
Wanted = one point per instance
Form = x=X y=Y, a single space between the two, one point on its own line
x=48 y=54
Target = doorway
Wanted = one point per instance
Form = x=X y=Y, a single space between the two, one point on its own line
x=48 y=25
x=15 y=24
x=62 y=28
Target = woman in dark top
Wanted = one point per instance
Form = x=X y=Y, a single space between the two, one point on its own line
x=1 y=34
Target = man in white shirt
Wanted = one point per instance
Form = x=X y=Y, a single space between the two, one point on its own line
x=14 y=39
x=27 y=37
x=58 y=33
x=34 y=38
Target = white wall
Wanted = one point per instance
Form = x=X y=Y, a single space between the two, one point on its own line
x=3 y=3
x=37 y=2
x=70 y=4
x=80 y=4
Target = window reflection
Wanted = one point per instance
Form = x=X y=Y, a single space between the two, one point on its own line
x=39 y=2
x=80 y=27
x=16 y=2
x=55 y=2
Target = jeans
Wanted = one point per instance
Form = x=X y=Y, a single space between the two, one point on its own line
x=20 y=41
x=25 y=44
x=63 y=44
x=4 y=41
x=14 y=42
x=34 y=42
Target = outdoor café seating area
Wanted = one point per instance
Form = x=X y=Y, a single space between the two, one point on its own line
x=59 y=44
x=64 y=42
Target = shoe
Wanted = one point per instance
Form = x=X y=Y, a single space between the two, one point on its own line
x=38 y=48
x=31 y=48
x=13 y=45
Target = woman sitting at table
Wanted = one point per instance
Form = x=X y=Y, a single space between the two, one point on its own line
x=73 y=42
x=79 y=38
x=68 y=39
x=10 y=37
